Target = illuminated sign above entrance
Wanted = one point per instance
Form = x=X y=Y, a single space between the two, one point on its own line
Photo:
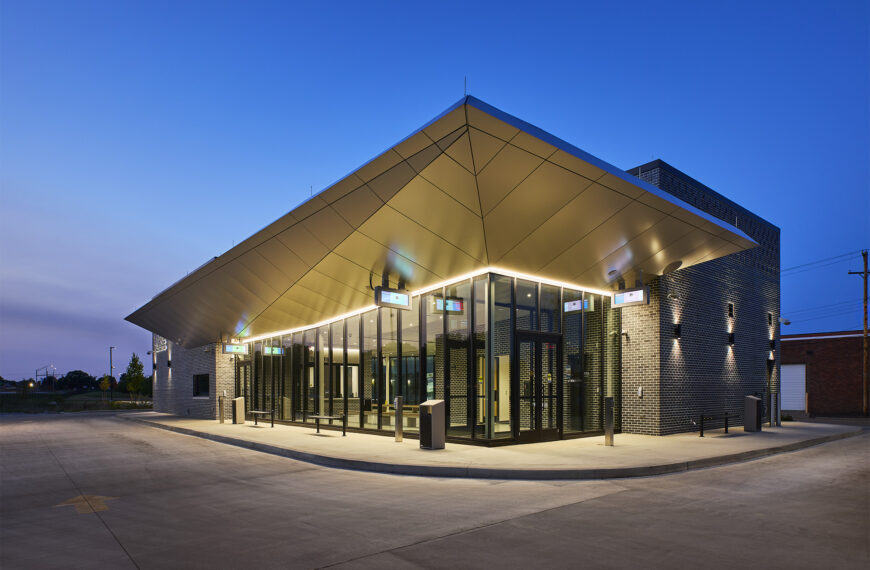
x=628 y=297
x=273 y=350
x=394 y=298
x=235 y=349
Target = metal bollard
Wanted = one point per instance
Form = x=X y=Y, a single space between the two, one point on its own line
x=221 y=408
x=608 y=422
x=397 y=404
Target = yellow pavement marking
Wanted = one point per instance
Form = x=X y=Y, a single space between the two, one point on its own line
x=85 y=504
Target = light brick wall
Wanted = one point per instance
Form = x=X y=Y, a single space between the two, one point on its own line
x=173 y=386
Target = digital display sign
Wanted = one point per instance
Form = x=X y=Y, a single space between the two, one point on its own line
x=579 y=305
x=394 y=298
x=235 y=349
x=638 y=296
x=451 y=305
x=273 y=350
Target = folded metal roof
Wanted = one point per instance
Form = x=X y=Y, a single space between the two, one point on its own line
x=473 y=188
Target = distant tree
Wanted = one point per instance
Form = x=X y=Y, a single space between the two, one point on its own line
x=108 y=383
x=77 y=380
x=134 y=376
x=148 y=387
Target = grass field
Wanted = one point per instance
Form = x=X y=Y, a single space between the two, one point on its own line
x=34 y=402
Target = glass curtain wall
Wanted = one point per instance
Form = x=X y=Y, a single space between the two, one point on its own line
x=457 y=343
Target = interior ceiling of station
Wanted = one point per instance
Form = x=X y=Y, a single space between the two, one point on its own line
x=474 y=188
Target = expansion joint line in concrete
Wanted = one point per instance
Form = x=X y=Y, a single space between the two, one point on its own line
x=475 y=528
x=82 y=494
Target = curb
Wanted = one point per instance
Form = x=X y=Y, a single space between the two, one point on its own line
x=497 y=473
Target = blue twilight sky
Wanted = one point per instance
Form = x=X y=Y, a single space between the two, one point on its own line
x=140 y=139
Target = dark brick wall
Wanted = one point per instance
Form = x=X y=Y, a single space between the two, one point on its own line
x=834 y=372
x=700 y=372
x=641 y=366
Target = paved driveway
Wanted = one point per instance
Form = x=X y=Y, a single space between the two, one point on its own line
x=94 y=490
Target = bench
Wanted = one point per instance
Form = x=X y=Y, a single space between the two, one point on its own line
x=342 y=417
x=711 y=417
x=258 y=413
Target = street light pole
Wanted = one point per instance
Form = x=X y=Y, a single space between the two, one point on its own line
x=111 y=372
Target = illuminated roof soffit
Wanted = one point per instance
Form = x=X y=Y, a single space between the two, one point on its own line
x=473 y=188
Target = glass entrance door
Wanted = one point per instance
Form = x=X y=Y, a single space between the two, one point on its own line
x=537 y=376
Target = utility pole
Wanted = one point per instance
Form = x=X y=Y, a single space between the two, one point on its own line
x=866 y=364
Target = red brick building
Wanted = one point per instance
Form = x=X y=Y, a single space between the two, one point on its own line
x=826 y=368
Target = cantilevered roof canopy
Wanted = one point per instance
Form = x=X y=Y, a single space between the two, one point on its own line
x=474 y=188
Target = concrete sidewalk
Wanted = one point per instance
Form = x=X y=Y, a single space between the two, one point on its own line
x=585 y=458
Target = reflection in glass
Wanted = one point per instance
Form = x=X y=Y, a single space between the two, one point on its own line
x=285 y=390
x=336 y=386
x=526 y=356
x=434 y=369
x=390 y=371
x=527 y=305
x=572 y=378
x=369 y=368
x=310 y=350
x=412 y=391
x=550 y=310
x=502 y=339
x=322 y=406
x=354 y=396
x=458 y=365
x=480 y=286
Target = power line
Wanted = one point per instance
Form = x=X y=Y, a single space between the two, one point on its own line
x=816 y=262
x=823 y=307
x=832 y=314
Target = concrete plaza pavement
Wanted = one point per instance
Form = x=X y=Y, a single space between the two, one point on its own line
x=157 y=499
x=584 y=458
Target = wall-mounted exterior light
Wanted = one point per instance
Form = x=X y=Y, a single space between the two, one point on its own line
x=168 y=364
x=770 y=318
x=731 y=339
x=678 y=330
x=730 y=309
x=772 y=344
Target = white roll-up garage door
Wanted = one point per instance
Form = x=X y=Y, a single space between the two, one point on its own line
x=794 y=386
